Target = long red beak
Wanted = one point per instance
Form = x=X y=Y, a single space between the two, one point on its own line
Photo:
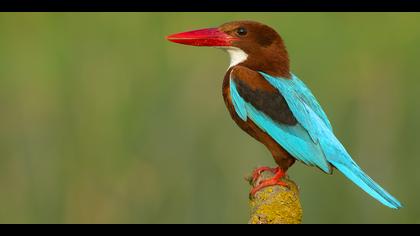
x=211 y=37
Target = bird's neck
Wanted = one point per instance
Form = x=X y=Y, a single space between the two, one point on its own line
x=237 y=56
x=273 y=61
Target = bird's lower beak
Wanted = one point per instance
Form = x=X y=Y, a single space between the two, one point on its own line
x=211 y=37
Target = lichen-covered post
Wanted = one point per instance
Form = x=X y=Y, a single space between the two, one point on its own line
x=276 y=204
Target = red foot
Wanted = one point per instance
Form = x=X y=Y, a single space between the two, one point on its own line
x=257 y=172
x=270 y=182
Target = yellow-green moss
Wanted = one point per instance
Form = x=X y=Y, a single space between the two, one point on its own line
x=276 y=205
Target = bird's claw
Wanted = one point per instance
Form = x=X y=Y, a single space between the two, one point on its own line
x=275 y=180
x=258 y=171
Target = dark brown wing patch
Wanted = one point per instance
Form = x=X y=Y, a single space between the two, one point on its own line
x=255 y=90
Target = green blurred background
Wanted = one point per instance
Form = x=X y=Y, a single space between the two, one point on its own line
x=104 y=121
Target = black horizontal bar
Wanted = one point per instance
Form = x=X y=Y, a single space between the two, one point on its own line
x=212 y=5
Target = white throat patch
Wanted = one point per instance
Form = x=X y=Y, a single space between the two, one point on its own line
x=236 y=55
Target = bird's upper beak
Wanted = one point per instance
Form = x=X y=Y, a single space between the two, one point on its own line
x=211 y=37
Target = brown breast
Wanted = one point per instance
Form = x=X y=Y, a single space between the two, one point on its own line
x=281 y=156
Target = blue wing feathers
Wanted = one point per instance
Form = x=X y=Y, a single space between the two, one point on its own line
x=238 y=102
x=312 y=140
x=310 y=99
x=295 y=139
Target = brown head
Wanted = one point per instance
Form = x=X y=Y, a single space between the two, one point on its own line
x=249 y=43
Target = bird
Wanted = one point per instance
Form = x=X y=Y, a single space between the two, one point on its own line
x=275 y=107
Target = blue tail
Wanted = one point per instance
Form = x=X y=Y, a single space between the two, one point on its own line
x=352 y=171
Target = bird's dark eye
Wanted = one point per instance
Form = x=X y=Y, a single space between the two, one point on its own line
x=241 y=31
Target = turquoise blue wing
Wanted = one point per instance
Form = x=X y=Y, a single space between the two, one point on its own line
x=294 y=139
x=306 y=95
x=312 y=118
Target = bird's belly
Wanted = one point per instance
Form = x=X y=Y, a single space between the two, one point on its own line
x=281 y=156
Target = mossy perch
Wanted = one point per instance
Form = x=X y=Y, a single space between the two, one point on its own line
x=276 y=204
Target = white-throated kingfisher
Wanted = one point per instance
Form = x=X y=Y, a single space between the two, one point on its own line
x=276 y=108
